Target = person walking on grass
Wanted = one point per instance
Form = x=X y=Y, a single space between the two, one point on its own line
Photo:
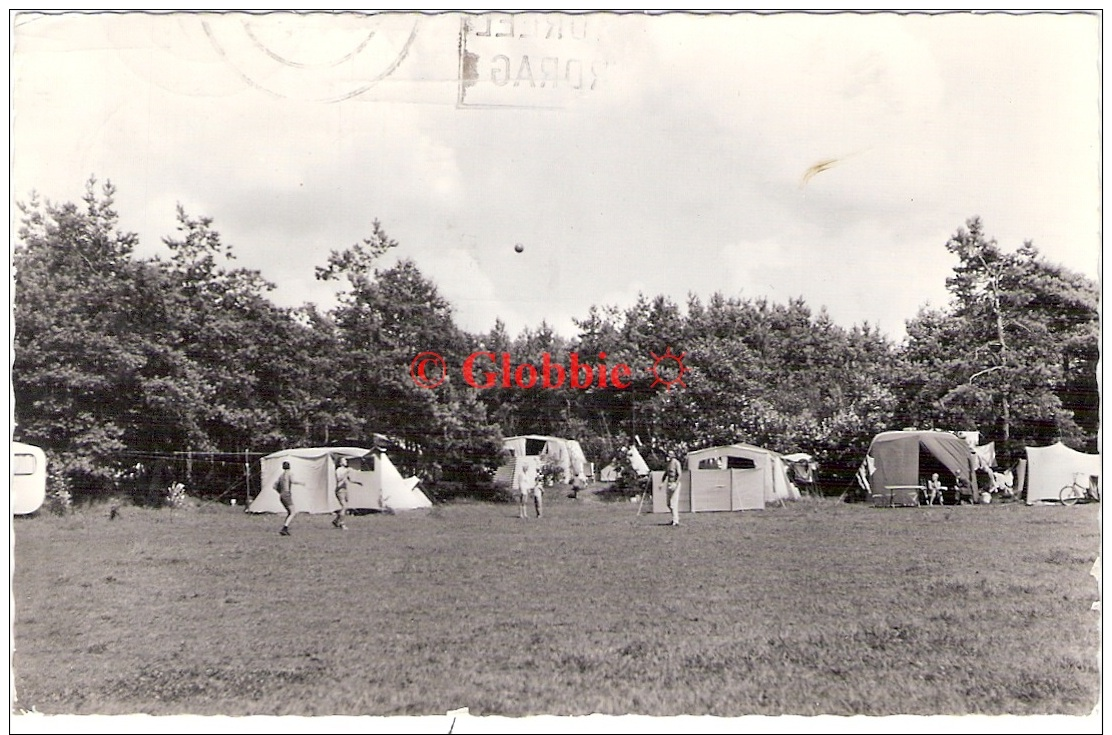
x=672 y=483
x=529 y=484
x=343 y=477
x=578 y=481
x=284 y=485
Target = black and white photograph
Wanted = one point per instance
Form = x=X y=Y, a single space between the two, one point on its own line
x=555 y=371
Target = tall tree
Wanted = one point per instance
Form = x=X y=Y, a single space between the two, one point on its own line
x=1020 y=334
x=95 y=373
x=384 y=319
x=223 y=321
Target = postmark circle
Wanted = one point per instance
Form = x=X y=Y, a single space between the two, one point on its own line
x=322 y=57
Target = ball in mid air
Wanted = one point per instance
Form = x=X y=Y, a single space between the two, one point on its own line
x=519 y=248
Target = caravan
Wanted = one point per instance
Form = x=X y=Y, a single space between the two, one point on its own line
x=28 y=478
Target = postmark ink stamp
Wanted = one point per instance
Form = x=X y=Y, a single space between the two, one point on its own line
x=533 y=60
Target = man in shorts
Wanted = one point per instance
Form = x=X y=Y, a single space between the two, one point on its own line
x=284 y=485
x=672 y=483
x=343 y=477
x=529 y=484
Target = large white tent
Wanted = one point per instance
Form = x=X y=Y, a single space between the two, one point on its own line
x=374 y=482
x=566 y=454
x=1049 y=469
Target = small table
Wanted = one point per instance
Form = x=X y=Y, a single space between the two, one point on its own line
x=903 y=495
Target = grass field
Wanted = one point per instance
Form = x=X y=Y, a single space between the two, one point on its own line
x=817 y=608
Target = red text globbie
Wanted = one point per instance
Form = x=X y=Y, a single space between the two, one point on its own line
x=487 y=370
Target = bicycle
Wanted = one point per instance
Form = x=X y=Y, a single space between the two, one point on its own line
x=1075 y=492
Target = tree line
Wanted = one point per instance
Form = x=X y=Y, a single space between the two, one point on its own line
x=119 y=359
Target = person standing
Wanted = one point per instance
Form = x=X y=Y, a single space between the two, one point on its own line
x=529 y=484
x=672 y=483
x=577 y=469
x=578 y=481
x=284 y=485
x=343 y=477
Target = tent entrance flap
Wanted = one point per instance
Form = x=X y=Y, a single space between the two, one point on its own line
x=929 y=465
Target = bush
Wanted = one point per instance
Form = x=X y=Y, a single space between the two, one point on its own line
x=59 y=502
x=175 y=496
x=447 y=490
x=59 y=497
x=550 y=473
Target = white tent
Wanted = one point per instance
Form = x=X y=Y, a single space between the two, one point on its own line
x=566 y=454
x=1049 y=469
x=374 y=482
x=609 y=473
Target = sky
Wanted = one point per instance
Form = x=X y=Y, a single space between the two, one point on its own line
x=827 y=157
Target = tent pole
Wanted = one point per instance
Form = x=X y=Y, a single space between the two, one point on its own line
x=246 y=479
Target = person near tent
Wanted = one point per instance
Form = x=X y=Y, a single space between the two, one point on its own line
x=530 y=485
x=343 y=477
x=578 y=481
x=934 y=490
x=963 y=492
x=672 y=482
x=1003 y=482
x=577 y=472
x=284 y=485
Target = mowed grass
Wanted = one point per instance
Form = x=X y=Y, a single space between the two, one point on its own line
x=815 y=608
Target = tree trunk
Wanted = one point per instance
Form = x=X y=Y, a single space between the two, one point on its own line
x=1005 y=414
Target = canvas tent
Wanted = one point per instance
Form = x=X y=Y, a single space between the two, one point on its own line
x=566 y=454
x=909 y=457
x=375 y=483
x=1049 y=469
x=732 y=477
